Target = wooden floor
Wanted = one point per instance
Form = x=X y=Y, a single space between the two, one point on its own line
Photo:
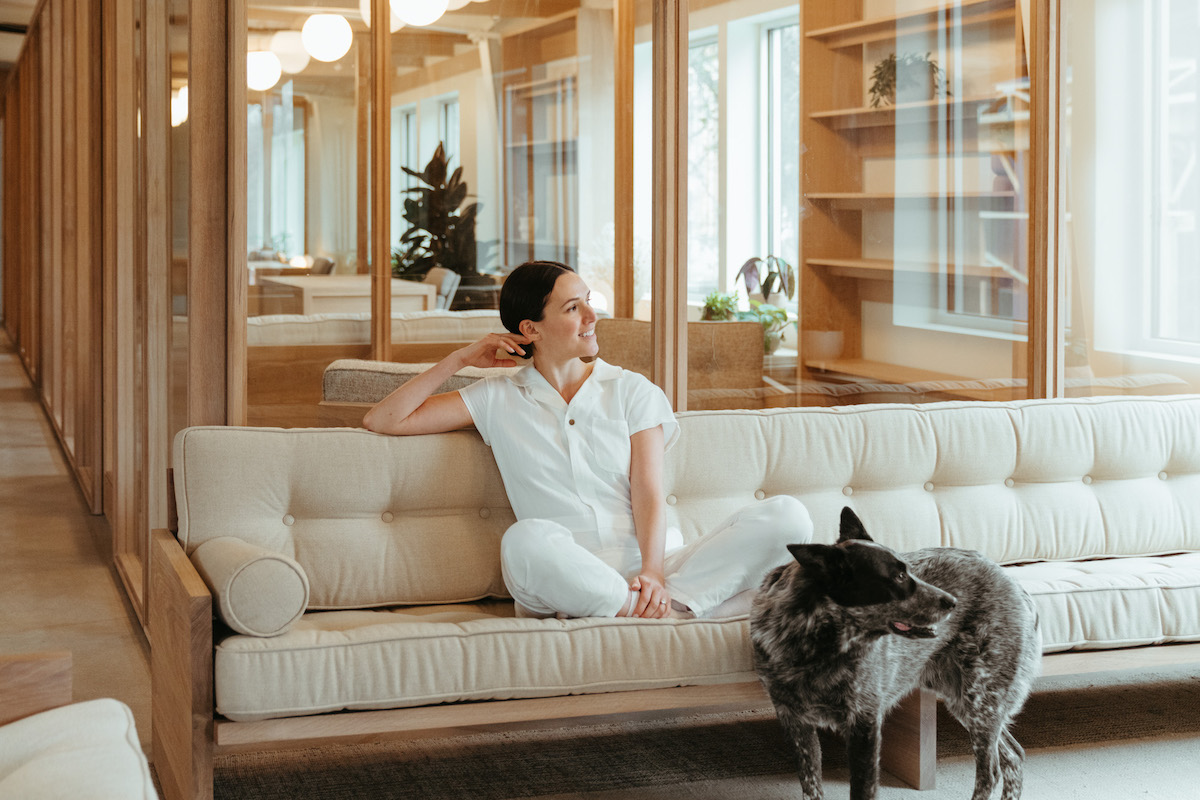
x=58 y=590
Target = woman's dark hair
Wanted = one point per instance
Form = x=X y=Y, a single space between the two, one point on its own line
x=525 y=292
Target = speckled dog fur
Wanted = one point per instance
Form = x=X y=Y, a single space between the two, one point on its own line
x=845 y=632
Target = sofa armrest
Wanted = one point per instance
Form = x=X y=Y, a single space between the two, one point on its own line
x=33 y=682
x=258 y=592
x=181 y=671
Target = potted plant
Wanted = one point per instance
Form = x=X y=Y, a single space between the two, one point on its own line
x=908 y=78
x=719 y=307
x=442 y=227
x=767 y=276
x=774 y=321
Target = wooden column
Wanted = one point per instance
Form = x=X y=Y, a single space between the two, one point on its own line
x=380 y=76
x=668 y=329
x=237 y=271
x=623 y=24
x=1046 y=276
x=208 y=242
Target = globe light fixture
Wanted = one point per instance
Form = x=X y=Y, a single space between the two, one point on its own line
x=455 y=5
x=420 y=12
x=364 y=8
x=290 y=48
x=327 y=37
x=263 y=70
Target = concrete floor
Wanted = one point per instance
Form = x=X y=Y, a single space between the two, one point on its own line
x=58 y=588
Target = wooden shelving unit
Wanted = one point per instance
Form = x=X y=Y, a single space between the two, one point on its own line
x=853 y=182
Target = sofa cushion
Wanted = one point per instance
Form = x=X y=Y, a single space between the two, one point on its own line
x=352 y=380
x=418 y=656
x=258 y=592
x=1022 y=481
x=373 y=520
x=82 y=750
x=355 y=327
x=1115 y=602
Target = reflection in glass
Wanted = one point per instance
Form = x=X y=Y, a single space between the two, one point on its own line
x=913 y=273
x=1131 y=134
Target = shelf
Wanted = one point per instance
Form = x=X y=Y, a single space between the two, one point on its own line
x=908 y=113
x=875 y=201
x=877 y=29
x=880 y=269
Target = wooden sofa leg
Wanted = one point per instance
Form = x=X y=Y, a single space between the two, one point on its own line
x=909 y=747
x=181 y=673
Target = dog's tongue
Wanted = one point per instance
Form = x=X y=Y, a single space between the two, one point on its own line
x=901 y=626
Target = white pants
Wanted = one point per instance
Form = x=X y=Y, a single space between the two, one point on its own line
x=547 y=572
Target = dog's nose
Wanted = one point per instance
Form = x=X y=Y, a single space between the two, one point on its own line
x=948 y=602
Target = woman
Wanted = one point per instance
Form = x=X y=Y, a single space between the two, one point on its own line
x=580 y=446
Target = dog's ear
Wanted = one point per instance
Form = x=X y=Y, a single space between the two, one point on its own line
x=819 y=561
x=852 y=527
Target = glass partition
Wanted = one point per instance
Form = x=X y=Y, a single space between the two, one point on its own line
x=913 y=267
x=308 y=129
x=1130 y=242
x=743 y=204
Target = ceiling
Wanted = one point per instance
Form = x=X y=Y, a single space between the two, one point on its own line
x=14 y=16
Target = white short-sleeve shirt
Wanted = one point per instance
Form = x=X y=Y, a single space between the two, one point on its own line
x=569 y=462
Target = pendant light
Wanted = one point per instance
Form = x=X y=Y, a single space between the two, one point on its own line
x=327 y=37
x=263 y=70
x=290 y=48
x=420 y=12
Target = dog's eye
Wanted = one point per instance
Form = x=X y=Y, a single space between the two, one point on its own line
x=902 y=577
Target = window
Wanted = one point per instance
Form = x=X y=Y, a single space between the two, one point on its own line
x=276 y=173
x=1143 y=151
x=704 y=185
x=782 y=129
x=404 y=154
x=448 y=132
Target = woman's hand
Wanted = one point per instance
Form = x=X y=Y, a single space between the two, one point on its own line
x=654 y=602
x=487 y=351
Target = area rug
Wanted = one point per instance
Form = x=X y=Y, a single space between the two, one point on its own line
x=741 y=754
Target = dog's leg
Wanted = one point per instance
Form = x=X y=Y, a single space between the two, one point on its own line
x=862 y=747
x=808 y=752
x=1012 y=759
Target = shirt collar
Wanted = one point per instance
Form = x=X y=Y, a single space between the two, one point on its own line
x=527 y=376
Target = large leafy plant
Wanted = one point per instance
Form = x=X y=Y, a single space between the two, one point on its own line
x=441 y=223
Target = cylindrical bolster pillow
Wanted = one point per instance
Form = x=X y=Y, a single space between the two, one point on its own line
x=259 y=592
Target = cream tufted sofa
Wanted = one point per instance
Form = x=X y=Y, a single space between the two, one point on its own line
x=356 y=582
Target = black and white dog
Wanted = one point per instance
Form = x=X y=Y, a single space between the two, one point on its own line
x=845 y=632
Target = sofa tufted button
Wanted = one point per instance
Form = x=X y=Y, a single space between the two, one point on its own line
x=1009 y=482
x=1162 y=476
x=387 y=516
x=288 y=519
x=929 y=486
x=847 y=491
x=672 y=499
x=570 y=422
x=760 y=495
x=484 y=513
x=1087 y=479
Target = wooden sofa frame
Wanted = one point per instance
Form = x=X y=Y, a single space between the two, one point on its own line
x=187 y=735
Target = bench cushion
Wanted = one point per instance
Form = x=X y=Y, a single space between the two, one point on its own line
x=417 y=656
x=82 y=750
x=1115 y=602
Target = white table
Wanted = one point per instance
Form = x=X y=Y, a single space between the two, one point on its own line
x=323 y=294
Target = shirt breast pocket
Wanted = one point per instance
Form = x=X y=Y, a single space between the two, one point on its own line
x=610 y=445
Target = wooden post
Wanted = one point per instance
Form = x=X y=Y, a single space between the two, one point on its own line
x=909 y=747
x=623 y=24
x=668 y=330
x=380 y=45
x=1046 y=276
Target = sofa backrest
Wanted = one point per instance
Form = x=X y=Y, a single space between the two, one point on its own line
x=355 y=328
x=377 y=520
